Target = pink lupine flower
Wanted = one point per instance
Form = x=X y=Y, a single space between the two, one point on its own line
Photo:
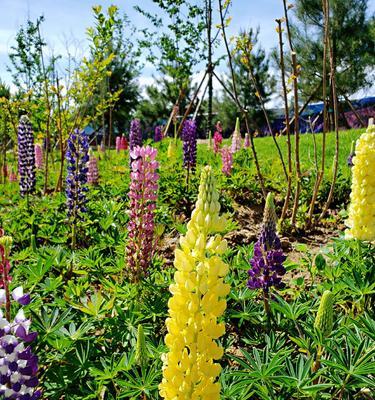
x=124 y=145
x=246 y=143
x=13 y=176
x=92 y=172
x=236 y=138
x=118 y=144
x=227 y=160
x=218 y=137
x=143 y=196
x=38 y=156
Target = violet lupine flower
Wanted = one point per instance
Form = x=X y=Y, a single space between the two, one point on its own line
x=189 y=138
x=246 y=143
x=92 y=170
x=135 y=135
x=158 y=135
x=26 y=156
x=267 y=263
x=143 y=195
x=227 y=161
x=18 y=365
x=77 y=158
x=38 y=156
x=118 y=144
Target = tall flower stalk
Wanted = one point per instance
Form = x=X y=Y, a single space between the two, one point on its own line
x=26 y=157
x=218 y=137
x=143 y=196
x=158 y=134
x=267 y=266
x=227 y=160
x=38 y=156
x=19 y=366
x=135 y=135
x=361 y=221
x=92 y=170
x=236 y=138
x=76 y=180
x=198 y=300
x=189 y=138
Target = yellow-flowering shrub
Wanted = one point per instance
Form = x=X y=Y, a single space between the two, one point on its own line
x=361 y=221
x=198 y=300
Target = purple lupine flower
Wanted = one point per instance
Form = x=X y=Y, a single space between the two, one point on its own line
x=92 y=170
x=143 y=196
x=26 y=156
x=267 y=266
x=189 y=138
x=77 y=158
x=158 y=135
x=351 y=155
x=38 y=156
x=135 y=135
x=18 y=364
x=246 y=143
x=227 y=161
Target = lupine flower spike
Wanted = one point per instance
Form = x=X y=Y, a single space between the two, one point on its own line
x=361 y=221
x=236 y=138
x=26 y=156
x=38 y=156
x=118 y=144
x=218 y=138
x=135 y=136
x=141 y=355
x=198 y=300
x=189 y=138
x=246 y=143
x=143 y=195
x=324 y=317
x=124 y=145
x=158 y=135
x=12 y=176
x=92 y=170
x=227 y=160
x=76 y=180
x=267 y=263
x=18 y=365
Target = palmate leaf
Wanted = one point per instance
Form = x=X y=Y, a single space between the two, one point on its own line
x=139 y=381
x=97 y=305
x=262 y=370
x=350 y=367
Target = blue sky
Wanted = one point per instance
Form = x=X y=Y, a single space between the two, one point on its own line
x=66 y=21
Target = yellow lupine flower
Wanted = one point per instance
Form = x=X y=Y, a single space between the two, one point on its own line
x=361 y=221
x=198 y=300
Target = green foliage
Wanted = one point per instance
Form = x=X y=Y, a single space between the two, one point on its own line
x=352 y=38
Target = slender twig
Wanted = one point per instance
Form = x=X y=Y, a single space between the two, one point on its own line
x=261 y=102
x=287 y=123
x=320 y=174
x=335 y=114
x=235 y=96
x=296 y=117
